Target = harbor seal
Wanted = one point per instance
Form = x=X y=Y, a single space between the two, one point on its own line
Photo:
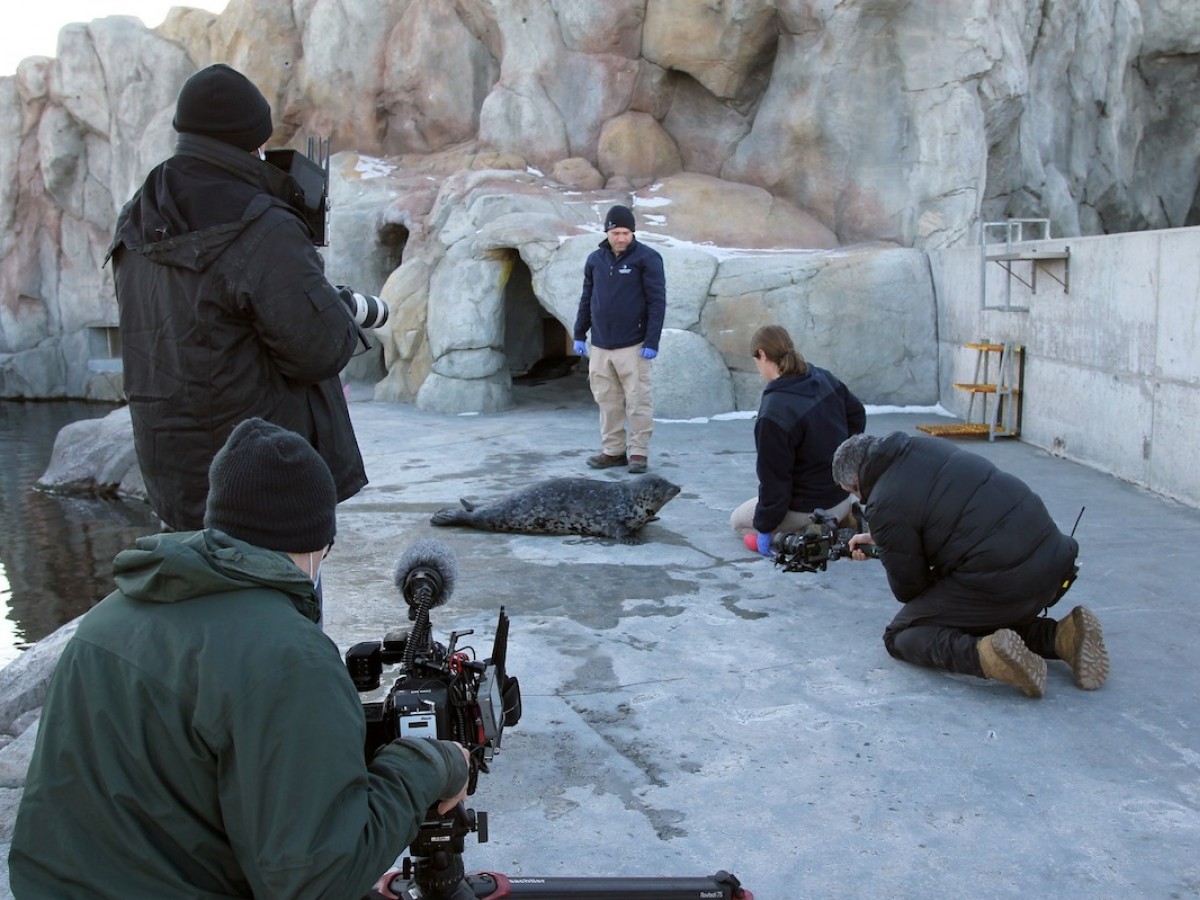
x=586 y=506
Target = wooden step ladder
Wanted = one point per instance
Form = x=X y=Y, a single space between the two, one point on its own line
x=1004 y=417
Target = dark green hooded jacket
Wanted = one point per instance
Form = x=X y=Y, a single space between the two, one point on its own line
x=201 y=738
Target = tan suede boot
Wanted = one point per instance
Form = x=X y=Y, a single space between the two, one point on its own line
x=1004 y=657
x=1080 y=642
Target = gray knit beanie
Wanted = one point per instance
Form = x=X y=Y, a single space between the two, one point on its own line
x=849 y=457
x=268 y=487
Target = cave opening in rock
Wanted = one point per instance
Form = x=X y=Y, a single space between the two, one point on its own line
x=537 y=346
x=390 y=240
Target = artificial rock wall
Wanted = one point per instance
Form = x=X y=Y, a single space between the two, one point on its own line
x=796 y=159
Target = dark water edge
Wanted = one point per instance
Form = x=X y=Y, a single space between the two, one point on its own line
x=55 y=552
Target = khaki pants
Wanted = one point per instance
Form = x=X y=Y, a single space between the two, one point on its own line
x=742 y=518
x=620 y=382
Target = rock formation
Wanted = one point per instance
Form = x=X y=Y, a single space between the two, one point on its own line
x=792 y=159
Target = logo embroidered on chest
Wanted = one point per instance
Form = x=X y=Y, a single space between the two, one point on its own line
x=624 y=270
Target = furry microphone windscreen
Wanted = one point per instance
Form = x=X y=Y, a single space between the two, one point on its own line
x=427 y=562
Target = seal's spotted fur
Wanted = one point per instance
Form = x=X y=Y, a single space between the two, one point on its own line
x=611 y=509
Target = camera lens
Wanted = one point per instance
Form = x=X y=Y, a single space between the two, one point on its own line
x=368 y=311
x=786 y=543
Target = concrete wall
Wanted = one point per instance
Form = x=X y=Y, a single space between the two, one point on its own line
x=1112 y=368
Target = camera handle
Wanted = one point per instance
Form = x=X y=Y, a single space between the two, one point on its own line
x=872 y=550
x=494 y=886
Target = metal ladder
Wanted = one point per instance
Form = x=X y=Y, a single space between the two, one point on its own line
x=1001 y=382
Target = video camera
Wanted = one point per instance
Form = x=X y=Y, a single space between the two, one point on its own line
x=311 y=174
x=440 y=691
x=812 y=549
x=444 y=692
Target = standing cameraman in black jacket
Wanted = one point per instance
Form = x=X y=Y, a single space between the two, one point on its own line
x=225 y=311
x=974 y=556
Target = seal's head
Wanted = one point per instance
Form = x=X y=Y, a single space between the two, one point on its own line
x=651 y=493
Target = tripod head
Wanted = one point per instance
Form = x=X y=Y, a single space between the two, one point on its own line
x=434 y=867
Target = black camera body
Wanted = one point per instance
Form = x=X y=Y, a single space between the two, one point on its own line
x=812 y=549
x=439 y=692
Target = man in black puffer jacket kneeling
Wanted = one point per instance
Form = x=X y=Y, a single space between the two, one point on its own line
x=975 y=558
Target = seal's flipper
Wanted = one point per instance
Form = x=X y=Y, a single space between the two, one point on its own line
x=450 y=516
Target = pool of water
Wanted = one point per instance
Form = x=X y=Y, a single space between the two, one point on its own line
x=55 y=552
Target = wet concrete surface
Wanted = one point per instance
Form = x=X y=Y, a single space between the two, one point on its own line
x=689 y=707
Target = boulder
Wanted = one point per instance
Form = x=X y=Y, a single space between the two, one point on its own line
x=96 y=457
x=690 y=379
x=23 y=685
x=637 y=148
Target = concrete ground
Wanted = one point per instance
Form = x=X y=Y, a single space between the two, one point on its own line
x=689 y=707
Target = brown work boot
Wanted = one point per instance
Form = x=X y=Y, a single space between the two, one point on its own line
x=604 y=461
x=637 y=465
x=1004 y=657
x=1080 y=642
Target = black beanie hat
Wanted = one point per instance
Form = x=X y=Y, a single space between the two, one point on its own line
x=268 y=487
x=222 y=103
x=619 y=217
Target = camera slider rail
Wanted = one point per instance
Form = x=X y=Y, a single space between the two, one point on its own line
x=494 y=886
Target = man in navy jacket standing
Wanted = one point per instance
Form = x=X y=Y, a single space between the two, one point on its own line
x=623 y=305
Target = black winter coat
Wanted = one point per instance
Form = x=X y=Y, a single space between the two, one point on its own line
x=801 y=421
x=225 y=314
x=940 y=512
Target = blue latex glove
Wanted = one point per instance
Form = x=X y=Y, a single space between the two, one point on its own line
x=581 y=348
x=764 y=544
x=647 y=353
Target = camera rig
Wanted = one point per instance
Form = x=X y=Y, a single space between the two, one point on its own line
x=443 y=692
x=812 y=549
x=309 y=185
x=311 y=174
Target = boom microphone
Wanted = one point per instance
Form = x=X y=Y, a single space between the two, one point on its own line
x=425 y=574
x=425 y=577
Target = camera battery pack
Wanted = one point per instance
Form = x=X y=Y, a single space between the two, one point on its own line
x=419 y=709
